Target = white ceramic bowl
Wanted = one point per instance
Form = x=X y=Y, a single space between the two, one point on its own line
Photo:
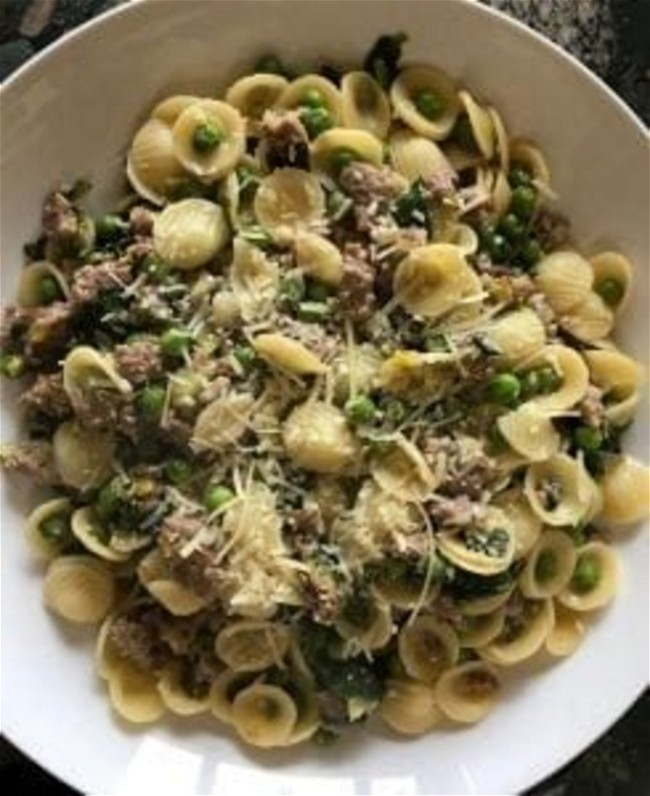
x=71 y=113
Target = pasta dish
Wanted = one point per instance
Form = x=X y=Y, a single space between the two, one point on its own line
x=328 y=407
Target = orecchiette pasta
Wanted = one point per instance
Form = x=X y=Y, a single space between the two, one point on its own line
x=328 y=406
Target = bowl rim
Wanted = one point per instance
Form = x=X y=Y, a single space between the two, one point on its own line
x=13 y=83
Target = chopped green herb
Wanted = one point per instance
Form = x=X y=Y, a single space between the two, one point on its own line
x=292 y=288
x=257 y=236
x=178 y=471
x=175 y=341
x=12 y=366
x=245 y=355
x=317 y=291
x=413 y=209
x=313 y=311
x=150 y=401
x=383 y=59
x=110 y=228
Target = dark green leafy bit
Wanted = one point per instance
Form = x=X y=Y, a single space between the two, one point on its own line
x=313 y=311
x=413 y=209
x=150 y=402
x=292 y=289
x=586 y=575
x=382 y=62
x=179 y=471
x=611 y=291
x=463 y=135
x=492 y=543
x=245 y=355
x=349 y=678
x=429 y=103
x=463 y=585
x=156 y=270
x=56 y=529
x=123 y=502
x=317 y=291
x=248 y=181
x=257 y=236
x=545 y=566
x=409 y=572
x=12 y=366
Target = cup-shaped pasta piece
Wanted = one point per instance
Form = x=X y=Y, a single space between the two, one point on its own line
x=222 y=422
x=527 y=526
x=319 y=258
x=549 y=566
x=467 y=693
x=37 y=283
x=595 y=579
x=619 y=376
x=480 y=606
x=431 y=280
x=565 y=278
x=175 y=598
x=477 y=631
x=317 y=437
x=134 y=695
x=264 y=715
x=47 y=530
x=424 y=98
x=418 y=158
x=107 y=655
x=254 y=94
x=500 y=193
x=189 y=233
x=372 y=631
x=302 y=88
x=529 y=432
x=404 y=587
x=86 y=527
x=485 y=550
x=176 y=698
x=83 y=458
x=567 y=633
x=523 y=634
x=573 y=380
x=209 y=139
x=255 y=280
x=481 y=124
x=364 y=106
x=152 y=167
x=86 y=370
x=287 y=202
x=409 y=707
x=414 y=374
x=463 y=236
x=518 y=335
x=403 y=472
x=625 y=491
x=303 y=694
x=589 y=321
x=426 y=647
x=79 y=588
x=288 y=355
x=613 y=279
x=525 y=155
x=358 y=145
x=501 y=139
x=249 y=646
x=559 y=490
x=170 y=108
x=223 y=691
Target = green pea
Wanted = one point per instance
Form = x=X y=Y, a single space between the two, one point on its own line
x=523 y=201
x=549 y=380
x=316 y=120
x=588 y=439
x=109 y=228
x=530 y=253
x=178 y=471
x=245 y=355
x=312 y=98
x=430 y=104
x=512 y=228
x=313 y=311
x=360 y=410
x=151 y=401
x=216 y=496
x=48 y=290
x=611 y=291
x=207 y=137
x=270 y=64
x=109 y=498
x=292 y=289
x=175 y=341
x=498 y=247
x=12 y=366
x=317 y=291
x=504 y=388
x=341 y=158
x=156 y=269
x=518 y=176
x=55 y=528
x=586 y=575
x=463 y=134
x=546 y=565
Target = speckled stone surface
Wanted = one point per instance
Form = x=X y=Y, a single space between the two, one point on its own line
x=612 y=37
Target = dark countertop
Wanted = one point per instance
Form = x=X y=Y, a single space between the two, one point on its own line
x=612 y=37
